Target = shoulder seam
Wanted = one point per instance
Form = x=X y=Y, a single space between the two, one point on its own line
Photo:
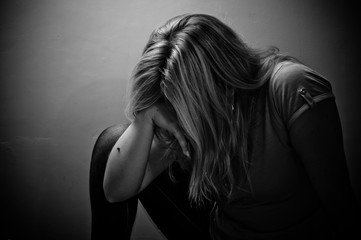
x=305 y=106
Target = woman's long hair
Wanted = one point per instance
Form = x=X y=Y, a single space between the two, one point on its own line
x=201 y=69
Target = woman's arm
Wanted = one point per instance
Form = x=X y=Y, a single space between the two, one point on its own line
x=317 y=138
x=136 y=158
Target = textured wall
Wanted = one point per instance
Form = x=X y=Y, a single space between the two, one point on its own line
x=64 y=68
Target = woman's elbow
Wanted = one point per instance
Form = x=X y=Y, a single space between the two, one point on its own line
x=109 y=194
x=116 y=194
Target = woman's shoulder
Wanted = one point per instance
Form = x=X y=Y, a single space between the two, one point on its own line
x=294 y=88
x=286 y=73
x=290 y=77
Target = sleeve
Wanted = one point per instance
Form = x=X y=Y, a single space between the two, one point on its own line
x=295 y=88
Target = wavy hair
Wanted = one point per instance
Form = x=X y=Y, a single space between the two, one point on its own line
x=209 y=77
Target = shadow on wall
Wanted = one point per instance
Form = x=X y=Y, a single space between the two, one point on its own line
x=64 y=69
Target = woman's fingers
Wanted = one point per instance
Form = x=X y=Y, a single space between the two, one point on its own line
x=175 y=130
x=163 y=119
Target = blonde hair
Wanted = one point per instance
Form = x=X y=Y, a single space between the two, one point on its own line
x=203 y=71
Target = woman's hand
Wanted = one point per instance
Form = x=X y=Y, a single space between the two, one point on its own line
x=159 y=115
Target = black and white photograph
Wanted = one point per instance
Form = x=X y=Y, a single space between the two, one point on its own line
x=180 y=120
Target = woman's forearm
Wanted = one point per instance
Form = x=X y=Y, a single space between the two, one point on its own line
x=127 y=161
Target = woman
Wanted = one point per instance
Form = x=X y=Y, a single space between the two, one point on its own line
x=258 y=134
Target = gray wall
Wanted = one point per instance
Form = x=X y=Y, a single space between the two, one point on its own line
x=64 y=69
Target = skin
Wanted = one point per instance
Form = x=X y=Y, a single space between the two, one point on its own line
x=136 y=158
